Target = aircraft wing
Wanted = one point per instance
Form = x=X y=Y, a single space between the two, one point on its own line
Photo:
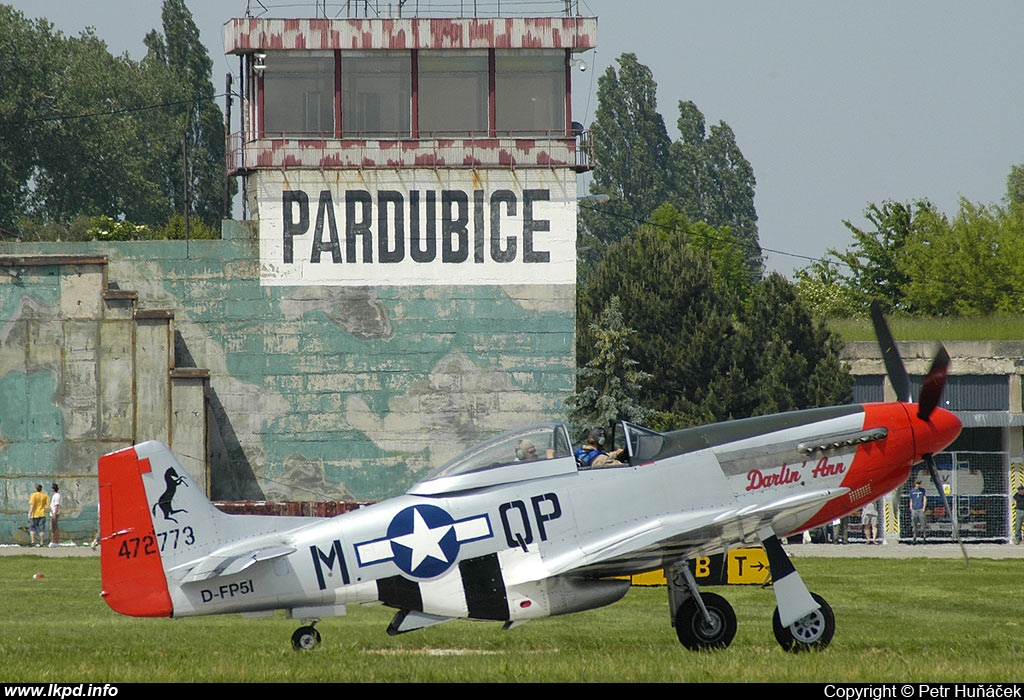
x=663 y=540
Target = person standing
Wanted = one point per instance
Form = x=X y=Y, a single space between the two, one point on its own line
x=38 y=505
x=869 y=520
x=918 y=521
x=54 y=515
x=1018 y=513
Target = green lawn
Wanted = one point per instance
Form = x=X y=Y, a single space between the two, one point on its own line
x=910 y=621
x=996 y=327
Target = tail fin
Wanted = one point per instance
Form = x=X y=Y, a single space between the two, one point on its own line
x=151 y=517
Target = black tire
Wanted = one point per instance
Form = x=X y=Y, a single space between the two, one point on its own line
x=305 y=638
x=810 y=633
x=693 y=630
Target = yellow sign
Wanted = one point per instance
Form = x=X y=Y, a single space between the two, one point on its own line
x=748 y=566
x=741 y=567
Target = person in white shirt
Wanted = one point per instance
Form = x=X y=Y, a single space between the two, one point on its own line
x=54 y=514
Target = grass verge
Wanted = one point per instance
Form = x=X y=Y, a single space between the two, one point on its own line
x=913 y=620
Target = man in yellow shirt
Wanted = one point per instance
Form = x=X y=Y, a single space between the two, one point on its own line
x=38 y=505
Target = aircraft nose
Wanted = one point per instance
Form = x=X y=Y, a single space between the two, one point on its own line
x=937 y=433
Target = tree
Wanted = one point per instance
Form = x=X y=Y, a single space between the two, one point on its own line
x=918 y=261
x=639 y=168
x=1015 y=186
x=727 y=255
x=825 y=291
x=28 y=72
x=714 y=183
x=89 y=158
x=874 y=271
x=631 y=144
x=179 y=72
x=795 y=359
x=86 y=134
x=609 y=384
x=631 y=153
x=968 y=266
x=711 y=353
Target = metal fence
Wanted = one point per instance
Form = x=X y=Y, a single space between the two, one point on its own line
x=977 y=485
x=977 y=488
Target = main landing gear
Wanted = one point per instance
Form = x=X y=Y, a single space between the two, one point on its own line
x=802 y=621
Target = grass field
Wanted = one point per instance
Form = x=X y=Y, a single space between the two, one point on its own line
x=911 y=620
x=994 y=327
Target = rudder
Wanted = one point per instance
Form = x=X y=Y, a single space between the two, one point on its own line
x=132 y=573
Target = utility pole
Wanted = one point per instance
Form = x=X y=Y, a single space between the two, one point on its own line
x=184 y=167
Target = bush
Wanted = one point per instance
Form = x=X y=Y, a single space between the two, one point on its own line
x=105 y=228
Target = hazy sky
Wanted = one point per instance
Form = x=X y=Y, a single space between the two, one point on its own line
x=836 y=105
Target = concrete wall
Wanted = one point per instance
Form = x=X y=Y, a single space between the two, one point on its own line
x=285 y=393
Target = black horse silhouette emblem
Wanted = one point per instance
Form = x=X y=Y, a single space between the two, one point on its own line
x=172 y=480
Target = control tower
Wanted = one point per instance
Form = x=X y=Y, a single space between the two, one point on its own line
x=411 y=150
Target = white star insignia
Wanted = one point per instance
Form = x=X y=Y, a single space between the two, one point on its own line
x=424 y=541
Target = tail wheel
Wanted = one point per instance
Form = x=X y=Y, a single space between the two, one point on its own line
x=696 y=633
x=305 y=638
x=811 y=632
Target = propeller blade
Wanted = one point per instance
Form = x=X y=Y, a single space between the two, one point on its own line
x=934 y=472
x=934 y=382
x=890 y=355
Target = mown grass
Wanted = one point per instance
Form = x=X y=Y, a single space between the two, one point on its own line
x=916 y=620
x=994 y=327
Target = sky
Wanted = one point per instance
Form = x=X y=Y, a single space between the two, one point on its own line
x=836 y=105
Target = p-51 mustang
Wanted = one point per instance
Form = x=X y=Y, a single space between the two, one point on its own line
x=509 y=534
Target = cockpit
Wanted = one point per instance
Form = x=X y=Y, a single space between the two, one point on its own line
x=532 y=443
x=531 y=452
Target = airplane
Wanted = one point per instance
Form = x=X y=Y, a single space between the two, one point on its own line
x=516 y=529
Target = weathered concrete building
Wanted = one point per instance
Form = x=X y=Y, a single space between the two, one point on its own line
x=403 y=284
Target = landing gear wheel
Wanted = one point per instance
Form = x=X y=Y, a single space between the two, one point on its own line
x=696 y=633
x=811 y=632
x=305 y=638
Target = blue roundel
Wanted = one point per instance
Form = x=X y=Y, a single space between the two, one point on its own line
x=423 y=541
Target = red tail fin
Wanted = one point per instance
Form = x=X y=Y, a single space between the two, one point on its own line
x=132 y=574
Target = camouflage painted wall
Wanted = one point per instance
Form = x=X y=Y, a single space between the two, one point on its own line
x=314 y=393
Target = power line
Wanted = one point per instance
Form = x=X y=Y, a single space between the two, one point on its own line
x=108 y=113
x=721 y=239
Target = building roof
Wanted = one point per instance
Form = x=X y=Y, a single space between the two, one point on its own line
x=245 y=35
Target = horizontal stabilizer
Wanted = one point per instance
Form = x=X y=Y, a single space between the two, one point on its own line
x=228 y=565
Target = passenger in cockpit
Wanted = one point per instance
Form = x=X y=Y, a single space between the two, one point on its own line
x=526 y=451
x=590 y=454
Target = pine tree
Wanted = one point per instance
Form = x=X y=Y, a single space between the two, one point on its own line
x=609 y=384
